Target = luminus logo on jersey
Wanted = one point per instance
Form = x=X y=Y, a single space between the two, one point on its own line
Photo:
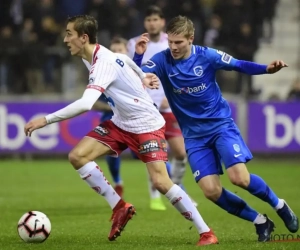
x=190 y=90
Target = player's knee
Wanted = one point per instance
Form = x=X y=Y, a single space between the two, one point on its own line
x=180 y=156
x=161 y=183
x=240 y=180
x=212 y=192
x=239 y=175
x=76 y=158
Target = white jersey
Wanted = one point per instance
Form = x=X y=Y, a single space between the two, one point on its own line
x=133 y=108
x=157 y=95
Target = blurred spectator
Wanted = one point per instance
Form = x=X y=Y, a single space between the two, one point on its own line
x=212 y=34
x=34 y=59
x=294 y=94
x=269 y=7
x=244 y=49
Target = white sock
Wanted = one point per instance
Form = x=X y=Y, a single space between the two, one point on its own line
x=180 y=200
x=154 y=193
x=178 y=170
x=260 y=219
x=95 y=178
x=280 y=204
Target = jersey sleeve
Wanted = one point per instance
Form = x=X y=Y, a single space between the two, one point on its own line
x=220 y=60
x=102 y=74
x=155 y=65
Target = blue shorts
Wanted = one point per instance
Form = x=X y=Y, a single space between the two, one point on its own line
x=207 y=153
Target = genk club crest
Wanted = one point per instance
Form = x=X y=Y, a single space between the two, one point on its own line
x=198 y=71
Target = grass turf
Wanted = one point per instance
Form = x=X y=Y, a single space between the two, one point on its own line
x=80 y=217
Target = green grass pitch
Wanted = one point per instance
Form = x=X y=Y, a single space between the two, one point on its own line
x=80 y=217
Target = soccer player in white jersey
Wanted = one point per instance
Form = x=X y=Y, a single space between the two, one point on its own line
x=154 y=24
x=136 y=124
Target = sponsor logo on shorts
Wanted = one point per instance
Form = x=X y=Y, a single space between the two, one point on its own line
x=149 y=146
x=101 y=130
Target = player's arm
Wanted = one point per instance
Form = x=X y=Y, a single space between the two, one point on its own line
x=149 y=79
x=102 y=75
x=221 y=60
x=154 y=65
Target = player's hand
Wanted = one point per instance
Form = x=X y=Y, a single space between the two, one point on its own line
x=275 y=66
x=34 y=124
x=151 y=81
x=141 y=44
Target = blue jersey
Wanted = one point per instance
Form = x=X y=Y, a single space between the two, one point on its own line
x=191 y=88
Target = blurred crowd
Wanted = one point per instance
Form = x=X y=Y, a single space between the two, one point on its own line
x=33 y=56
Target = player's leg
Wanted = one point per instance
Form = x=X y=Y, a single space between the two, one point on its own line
x=176 y=143
x=156 y=202
x=235 y=153
x=102 y=141
x=114 y=165
x=155 y=157
x=206 y=167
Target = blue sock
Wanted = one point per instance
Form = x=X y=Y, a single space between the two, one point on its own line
x=236 y=206
x=114 y=165
x=260 y=189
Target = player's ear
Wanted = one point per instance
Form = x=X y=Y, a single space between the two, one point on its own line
x=84 y=38
x=191 y=39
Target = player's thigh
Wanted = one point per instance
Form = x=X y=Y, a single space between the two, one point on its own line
x=148 y=147
x=102 y=140
x=89 y=148
x=176 y=145
x=231 y=147
x=204 y=161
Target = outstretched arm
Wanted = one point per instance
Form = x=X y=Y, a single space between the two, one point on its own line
x=85 y=103
x=221 y=60
x=252 y=68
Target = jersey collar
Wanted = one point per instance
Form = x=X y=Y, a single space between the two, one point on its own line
x=96 y=49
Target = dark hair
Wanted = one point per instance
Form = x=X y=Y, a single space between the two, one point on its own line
x=119 y=40
x=154 y=10
x=85 y=24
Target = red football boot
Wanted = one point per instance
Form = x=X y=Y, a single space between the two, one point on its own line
x=207 y=238
x=122 y=213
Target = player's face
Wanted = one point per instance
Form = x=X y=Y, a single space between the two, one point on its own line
x=154 y=24
x=179 y=45
x=118 y=48
x=73 y=41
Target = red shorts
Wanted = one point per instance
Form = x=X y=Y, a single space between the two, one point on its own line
x=172 y=127
x=148 y=147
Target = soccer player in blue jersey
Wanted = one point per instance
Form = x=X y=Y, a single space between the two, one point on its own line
x=187 y=73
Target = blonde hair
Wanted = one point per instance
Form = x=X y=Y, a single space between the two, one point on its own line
x=181 y=25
